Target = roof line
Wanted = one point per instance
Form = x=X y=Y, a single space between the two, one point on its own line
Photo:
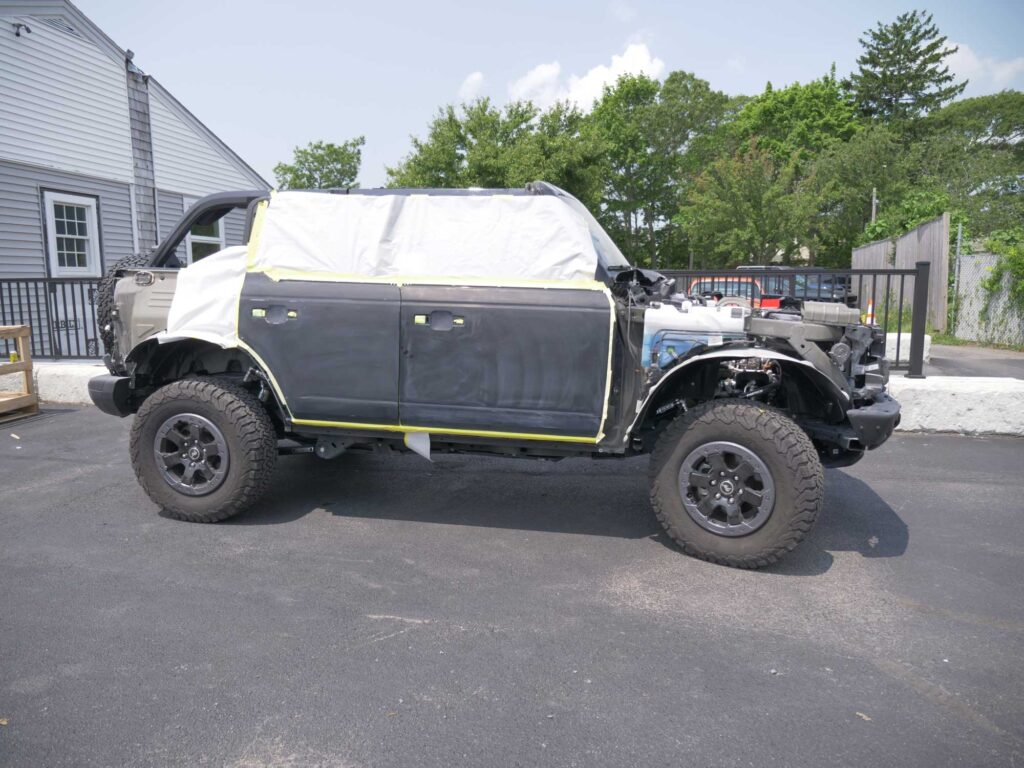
x=115 y=52
x=184 y=113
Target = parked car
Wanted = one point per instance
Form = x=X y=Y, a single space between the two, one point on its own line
x=493 y=321
x=745 y=287
x=815 y=286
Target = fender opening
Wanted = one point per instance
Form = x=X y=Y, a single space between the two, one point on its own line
x=803 y=394
x=152 y=365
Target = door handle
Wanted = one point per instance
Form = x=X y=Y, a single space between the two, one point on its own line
x=439 y=320
x=275 y=314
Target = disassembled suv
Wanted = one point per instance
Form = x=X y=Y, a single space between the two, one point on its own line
x=496 y=321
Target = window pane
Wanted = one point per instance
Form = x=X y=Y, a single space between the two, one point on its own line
x=58 y=211
x=59 y=223
x=200 y=250
x=207 y=230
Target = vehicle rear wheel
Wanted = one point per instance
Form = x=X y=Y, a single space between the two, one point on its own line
x=203 y=449
x=736 y=483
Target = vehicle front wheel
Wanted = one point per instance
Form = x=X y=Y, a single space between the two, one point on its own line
x=203 y=449
x=736 y=483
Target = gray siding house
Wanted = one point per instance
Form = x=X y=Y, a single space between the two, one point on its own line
x=97 y=161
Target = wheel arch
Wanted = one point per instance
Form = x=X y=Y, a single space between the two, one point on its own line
x=153 y=364
x=696 y=378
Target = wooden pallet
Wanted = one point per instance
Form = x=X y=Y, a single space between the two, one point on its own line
x=25 y=402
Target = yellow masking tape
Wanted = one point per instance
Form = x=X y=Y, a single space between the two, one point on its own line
x=445 y=431
x=280 y=273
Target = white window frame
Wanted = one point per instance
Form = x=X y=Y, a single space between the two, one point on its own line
x=94 y=264
x=186 y=203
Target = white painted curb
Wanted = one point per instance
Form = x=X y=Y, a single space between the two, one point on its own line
x=963 y=404
x=64 y=383
x=970 y=405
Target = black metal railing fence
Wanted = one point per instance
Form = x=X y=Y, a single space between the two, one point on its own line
x=894 y=297
x=62 y=311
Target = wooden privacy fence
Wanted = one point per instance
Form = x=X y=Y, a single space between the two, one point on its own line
x=928 y=242
x=24 y=401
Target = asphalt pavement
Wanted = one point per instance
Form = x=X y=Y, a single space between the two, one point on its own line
x=379 y=610
x=966 y=360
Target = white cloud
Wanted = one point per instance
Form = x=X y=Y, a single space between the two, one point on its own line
x=540 y=85
x=544 y=84
x=986 y=74
x=471 y=86
x=621 y=11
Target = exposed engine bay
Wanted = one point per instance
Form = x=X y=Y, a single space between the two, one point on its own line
x=815 y=360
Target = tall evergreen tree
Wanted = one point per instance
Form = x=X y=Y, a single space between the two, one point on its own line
x=902 y=74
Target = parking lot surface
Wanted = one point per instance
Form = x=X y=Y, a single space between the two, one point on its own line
x=975 y=361
x=379 y=610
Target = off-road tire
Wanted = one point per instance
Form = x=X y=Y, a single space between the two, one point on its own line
x=105 y=295
x=783 y=447
x=246 y=427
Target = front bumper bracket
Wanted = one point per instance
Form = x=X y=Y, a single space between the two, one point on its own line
x=874 y=423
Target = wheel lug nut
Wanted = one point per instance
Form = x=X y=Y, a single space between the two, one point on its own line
x=718 y=495
x=713 y=482
x=737 y=477
x=722 y=474
x=730 y=499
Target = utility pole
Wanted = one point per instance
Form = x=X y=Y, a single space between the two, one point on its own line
x=956 y=275
x=874 y=203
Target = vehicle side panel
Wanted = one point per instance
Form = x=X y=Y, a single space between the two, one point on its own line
x=523 y=360
x=332 y=347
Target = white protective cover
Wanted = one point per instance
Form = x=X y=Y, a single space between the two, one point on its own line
x=477 y=237
x=205 y=303
x=488 y=238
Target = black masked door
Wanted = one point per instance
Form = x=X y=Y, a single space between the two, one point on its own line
x=517 y=360
x=332 y=347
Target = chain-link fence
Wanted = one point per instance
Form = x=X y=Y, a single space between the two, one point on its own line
x=978 y=314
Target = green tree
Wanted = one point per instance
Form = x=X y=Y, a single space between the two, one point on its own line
x=322 y=165
x=743 y=209
x=973 y=151
x=901 y=74
x=647 y=129
x=1008 y=245
x=839 y=185
x=481 y=145
x=916 y=207
x=800 y=120
x=995 y=121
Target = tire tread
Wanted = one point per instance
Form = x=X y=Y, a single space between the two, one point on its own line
x=256 y=434
x=792 y=444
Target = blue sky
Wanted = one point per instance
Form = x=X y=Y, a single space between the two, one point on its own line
x=267 y=76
